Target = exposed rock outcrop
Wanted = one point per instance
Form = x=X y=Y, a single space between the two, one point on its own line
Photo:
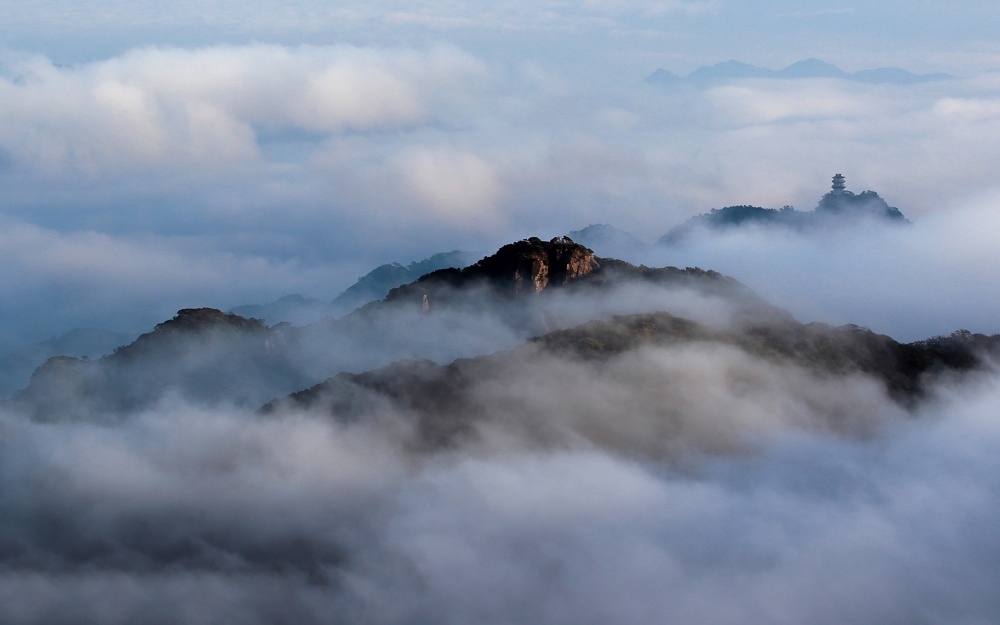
x=526 y=267
x=532 y=265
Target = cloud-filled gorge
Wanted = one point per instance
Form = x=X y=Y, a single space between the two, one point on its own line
x=768 y=416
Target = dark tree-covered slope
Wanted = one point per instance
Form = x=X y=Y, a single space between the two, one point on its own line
x=447 y=402
x=204 y=355
x=201 y=354
x=834 y=210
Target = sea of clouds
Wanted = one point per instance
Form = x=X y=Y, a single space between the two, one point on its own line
x=158 y=157
x=687 y=484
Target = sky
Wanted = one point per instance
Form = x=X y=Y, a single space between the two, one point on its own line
x=154 y=157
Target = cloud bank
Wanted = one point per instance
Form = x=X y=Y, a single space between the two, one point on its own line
x=192 y=515
x=206 y=108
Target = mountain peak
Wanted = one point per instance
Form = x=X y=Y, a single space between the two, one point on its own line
x=732 y=70
x=663 y=77
x=839 y=207
x=864 y=203
x=197 y=319
x=812 y=68
x=533 y=264
x=729 y=70
x=526 y=267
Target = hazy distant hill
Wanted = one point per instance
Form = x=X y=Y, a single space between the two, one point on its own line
x=17 y=365
x=835 y=210
x=296 y=309
x=607 y=240
x=728 y=71
x=377 y=283
x=374 y=285
x=812 y=68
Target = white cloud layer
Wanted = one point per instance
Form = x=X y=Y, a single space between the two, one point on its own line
x=167 y=108
x=911 y=282
x=339 y=158
x=190 y=515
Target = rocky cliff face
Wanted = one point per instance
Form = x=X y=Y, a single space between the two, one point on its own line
x=529 y=286
x=531 y=265
x=526 y=267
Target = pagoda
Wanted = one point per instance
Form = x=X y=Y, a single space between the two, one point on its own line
x=838 y=184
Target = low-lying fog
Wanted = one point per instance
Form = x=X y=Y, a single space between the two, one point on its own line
x=689 y=485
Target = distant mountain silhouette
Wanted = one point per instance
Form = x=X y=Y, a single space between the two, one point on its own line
x=374 y=285
x=377 y=283
x=864 y=204
x=607 y=240
x=839 y=208
x=812 y=68
x=896 y=76
x=728 y=70
x=16 y=365
x=664 y=78
x=732 y=70
x=296 y=309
